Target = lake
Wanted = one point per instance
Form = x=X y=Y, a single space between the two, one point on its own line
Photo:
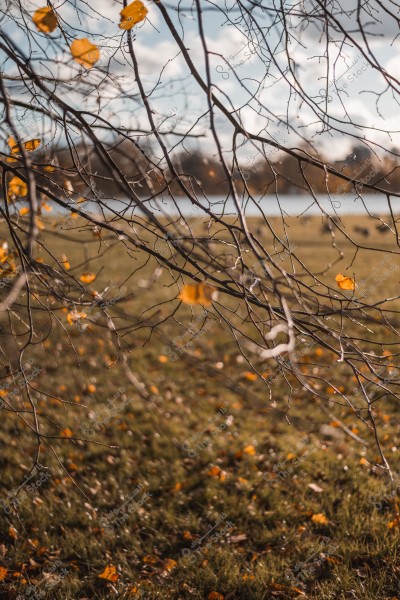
x=290 y=205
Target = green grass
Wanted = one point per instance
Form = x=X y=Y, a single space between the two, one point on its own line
x=263 y=531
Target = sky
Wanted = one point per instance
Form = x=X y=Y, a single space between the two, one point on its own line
x=243 y=75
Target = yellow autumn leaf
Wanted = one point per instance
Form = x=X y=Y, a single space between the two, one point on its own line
x=169 y=564
x=74 y=316
x=345 y=283
x=198 y=293
x=132 y=14
x=319 y=519
x=67 y=433
x=30 y=145
x=46 y=207
x=65 y=262
x=49 y=168
x=109 y=573
x=23 y=211
x=87 y=277
x=85 y=53
x=250 y=376
x=17 y=187
x=13 y=145
x=45 y=19
x=39 y=223
x=249 y=450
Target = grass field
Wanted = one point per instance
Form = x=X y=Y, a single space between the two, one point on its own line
x=195 y=484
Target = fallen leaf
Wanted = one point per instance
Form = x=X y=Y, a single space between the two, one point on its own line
x=3 y=573
x=169 y=564
x=249 y=450
x=215 y=596
x=345 y=283
x=12 y=532
x=315 y=488
x=132 y=14
x=198 y=293
x=319 y=519
x=217 y=472
x=45 y=19
x=85 y=53
x=109 y=573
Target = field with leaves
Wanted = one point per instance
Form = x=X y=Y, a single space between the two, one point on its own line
x=187 y=476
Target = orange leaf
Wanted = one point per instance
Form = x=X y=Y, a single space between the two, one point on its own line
x=250 y=376
x=169 y=564
x=46 y=206
x=45 y=19
x=345 y=283
x=249 y=450
x=74 y=316
x=13 y=145
x=319 y=519
x=23 y=211
x=17 y=187
x=85 y=53
x=67 y=433
x=215 y=596
x=39 y=223
x=132 y=14
x=198 y=293
x=65 y=262
x=109 y=573
x=31 y=145
x=3 y=573
x=87 y=277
